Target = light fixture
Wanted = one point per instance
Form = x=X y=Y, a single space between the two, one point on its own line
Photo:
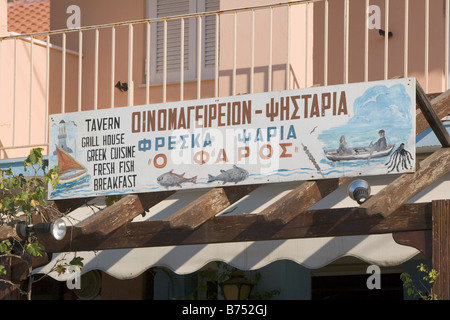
x=92 y=284
x=382 y=33
x=56 y=228
x=236 y=287
x=122 y=86
x=359 y=190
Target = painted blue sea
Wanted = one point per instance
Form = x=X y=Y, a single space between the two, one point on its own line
x=76 y=188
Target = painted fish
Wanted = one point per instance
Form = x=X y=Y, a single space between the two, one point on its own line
x=170 y=179
x=235 y=175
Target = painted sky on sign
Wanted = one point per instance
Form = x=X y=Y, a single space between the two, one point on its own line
x=380 y=107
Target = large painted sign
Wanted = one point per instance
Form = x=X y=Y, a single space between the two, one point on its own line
x=315 y=133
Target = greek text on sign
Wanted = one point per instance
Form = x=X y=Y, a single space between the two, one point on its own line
x=315 y=133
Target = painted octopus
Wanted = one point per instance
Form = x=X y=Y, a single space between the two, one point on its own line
x=400 y=157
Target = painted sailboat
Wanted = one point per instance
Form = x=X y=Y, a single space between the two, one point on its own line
x=70 y=170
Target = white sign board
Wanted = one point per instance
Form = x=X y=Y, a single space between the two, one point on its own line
x=315 y=133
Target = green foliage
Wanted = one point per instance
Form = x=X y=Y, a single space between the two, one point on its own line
x=5 y=246
x=111 y=199
x=25 y=195
x=28 y=195
x=426 y=293
x=34 y=249
x=75 y=262
x=35 y=158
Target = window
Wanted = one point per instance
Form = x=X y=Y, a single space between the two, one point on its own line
x=165 y=8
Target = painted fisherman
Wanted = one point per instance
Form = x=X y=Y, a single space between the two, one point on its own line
x=381 y=143
x=343 y=147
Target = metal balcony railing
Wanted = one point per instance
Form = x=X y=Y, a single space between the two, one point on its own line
x=273 y=47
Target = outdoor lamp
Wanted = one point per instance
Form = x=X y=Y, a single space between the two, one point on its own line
x=122 y=86
x=56 y=228
x=237 y=287
x=383 y=33
x=359 y=190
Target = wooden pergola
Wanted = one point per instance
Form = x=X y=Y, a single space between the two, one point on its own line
x=425 y=226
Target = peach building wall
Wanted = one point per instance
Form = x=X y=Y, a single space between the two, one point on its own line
x=306 y=62
x=306 y=56
x=96 y=14
x=416 y=42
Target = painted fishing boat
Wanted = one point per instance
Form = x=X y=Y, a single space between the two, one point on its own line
x=359 y=153
x=70 y=170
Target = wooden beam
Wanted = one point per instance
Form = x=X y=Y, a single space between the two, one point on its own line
x=247 y=227
x=207 y=206
x=441 y=247
x=7 y=289
x=408 y=185
x=55 y=208
x=9 y=231
x=121 y=212
x=17 y=269
x=441 y=106
x=300 y=199
x=431 y=116
x=421 y=240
